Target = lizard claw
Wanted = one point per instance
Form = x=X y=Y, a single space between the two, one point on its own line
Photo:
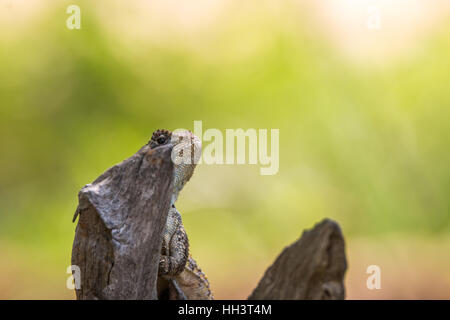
x=163 y=266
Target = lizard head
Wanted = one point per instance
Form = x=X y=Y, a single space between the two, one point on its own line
x=186 y=152
x=183 y=141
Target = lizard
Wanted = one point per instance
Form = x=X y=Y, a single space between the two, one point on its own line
x=179 y=276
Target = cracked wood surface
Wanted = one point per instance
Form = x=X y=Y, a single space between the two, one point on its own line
x=121 y=219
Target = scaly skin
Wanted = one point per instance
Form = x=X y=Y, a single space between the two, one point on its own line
x=179 y=275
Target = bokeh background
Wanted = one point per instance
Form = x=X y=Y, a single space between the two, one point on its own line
x=363 y=115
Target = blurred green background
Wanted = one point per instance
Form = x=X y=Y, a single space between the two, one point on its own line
x=363 y=115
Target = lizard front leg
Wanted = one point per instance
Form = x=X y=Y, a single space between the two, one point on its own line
x=175 y=249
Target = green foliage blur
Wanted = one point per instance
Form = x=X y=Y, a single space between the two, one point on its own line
x=361 y=144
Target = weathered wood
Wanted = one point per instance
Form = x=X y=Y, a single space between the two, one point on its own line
x=118 y=239
x=122 y=216
x=313 y=267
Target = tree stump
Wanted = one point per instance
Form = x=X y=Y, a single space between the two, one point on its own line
x=119 y=233
x=313 y=267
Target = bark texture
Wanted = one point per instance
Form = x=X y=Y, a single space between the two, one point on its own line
x=121 y=219
x=313 y=267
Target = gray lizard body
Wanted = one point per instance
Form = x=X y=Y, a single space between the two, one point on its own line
x=179 y=275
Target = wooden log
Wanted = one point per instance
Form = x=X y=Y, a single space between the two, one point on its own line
x=121 y=219
x=313 y=267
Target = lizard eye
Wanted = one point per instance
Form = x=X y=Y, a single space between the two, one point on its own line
x=161 y=139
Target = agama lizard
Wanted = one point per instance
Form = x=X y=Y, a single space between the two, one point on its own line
x=179 y=275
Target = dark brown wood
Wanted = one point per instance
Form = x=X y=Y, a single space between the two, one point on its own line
x=313 y=267
x=122 y=216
